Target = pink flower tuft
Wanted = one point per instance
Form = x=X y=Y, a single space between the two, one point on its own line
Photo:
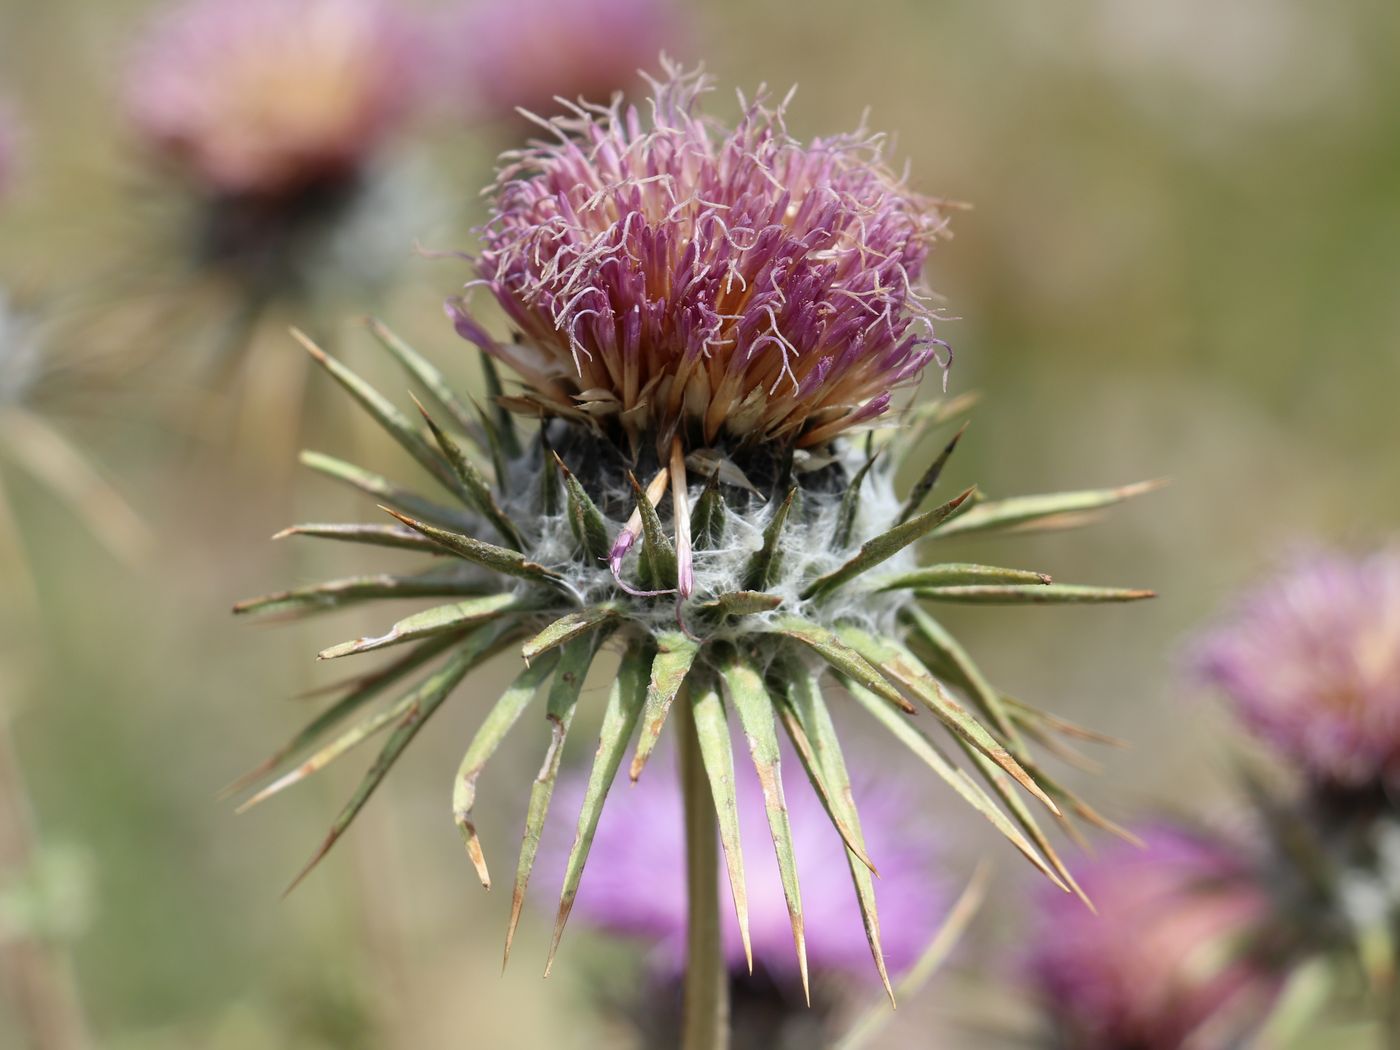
x=667 y=276
x=1166 y=959
x=1311 y=661
x=265 y=97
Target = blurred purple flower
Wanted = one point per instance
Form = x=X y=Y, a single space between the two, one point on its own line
x=503 y=56
x=265 y=97
x=1165 y=964
x=634 y=884
x=665 y=272
x=1311 y=660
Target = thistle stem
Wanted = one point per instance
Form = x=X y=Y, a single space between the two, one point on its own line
x=705 y=1015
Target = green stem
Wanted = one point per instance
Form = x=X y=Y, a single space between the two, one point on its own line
x=705 y=1018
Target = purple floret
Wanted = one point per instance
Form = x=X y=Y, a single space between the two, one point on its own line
x=265 y=97
x=1311 y=661
x=666 y=274
x=1167 y=957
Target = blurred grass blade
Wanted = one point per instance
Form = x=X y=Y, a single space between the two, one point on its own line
x=439 y=620
x=568 y=627
x=1023 y=512
x=755 y=709
x=1308 y=989
x=500 y=422
x=763 y=567
x=900 y=665
x=1044 y=594
x=42 y=450
x=842 y=657
x=629 y=692
x=498 y=559
x=930 y=477
x=493 y=730
x=810 y=727
x=374 y=535
x=427 y=374
x=874 y=551
x=717 y=754
x=385 y=413
x=564 y=692
x=957 y=779
x=916 y=421
x=336 y=594
x=1074 y=804
x=1025 y=714
x=949 y=934
x=385 y=491
x=586 y=520
x=425 y=700
x=675 y=655
x=469 y=477
x=1054 y=746
x=957 y=574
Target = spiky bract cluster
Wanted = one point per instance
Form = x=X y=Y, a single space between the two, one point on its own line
x=30 y=377
x=804 y=583
x=669 y=277
x=502 y=58
x=1174 y=957
x=1311 y=661
x=641 y=841
x=264 y=98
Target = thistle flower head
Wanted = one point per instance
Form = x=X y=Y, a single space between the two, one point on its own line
x=1166 y=959
x=505 y=57
x=702 y=316
x=641 y=842
x=266 y=97
x=666 y=275
x=1311 y=662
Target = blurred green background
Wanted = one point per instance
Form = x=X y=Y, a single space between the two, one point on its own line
x=1182 y=261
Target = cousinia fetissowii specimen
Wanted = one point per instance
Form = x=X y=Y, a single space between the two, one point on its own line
x=707 y=325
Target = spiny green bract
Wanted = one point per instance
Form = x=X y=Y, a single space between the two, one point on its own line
x=804 y=580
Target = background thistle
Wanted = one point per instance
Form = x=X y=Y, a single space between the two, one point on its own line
x=1309 y=661
x=275 y=133
x=1178 y=955
x=708 y=516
